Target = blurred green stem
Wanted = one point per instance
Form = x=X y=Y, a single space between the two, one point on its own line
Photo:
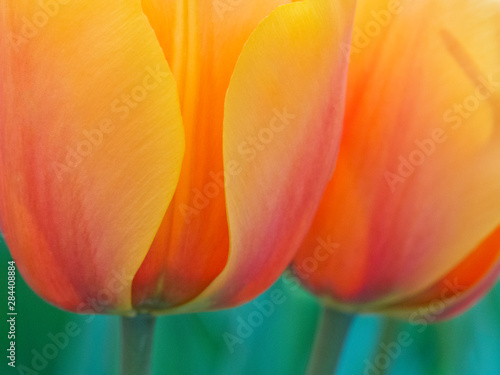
x=137 y=344
x=330 y=337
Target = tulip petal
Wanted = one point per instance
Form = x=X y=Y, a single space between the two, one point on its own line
x=91 y=144
x=201 y=41
x=417 y=186
x=457 y=290
x=282 y=126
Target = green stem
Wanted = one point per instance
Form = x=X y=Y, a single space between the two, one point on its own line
x=330 y=336
x=137 y=344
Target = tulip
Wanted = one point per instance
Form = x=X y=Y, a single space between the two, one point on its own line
x=409 y=225
x=157 y=154
x=165 y=156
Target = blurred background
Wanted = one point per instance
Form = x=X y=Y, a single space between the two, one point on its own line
x=245 y=341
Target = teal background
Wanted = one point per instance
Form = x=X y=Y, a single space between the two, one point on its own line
x=194 y=344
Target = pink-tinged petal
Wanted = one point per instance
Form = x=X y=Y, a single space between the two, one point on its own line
x=417 y=186
x=457 y=290
x=282 y=125
x=201 y=41
x=91 y=144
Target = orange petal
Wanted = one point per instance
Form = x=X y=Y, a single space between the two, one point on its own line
x=282 y=127
x=201 y=41
x=457 y=290
x=417 y=187
x=91 y=144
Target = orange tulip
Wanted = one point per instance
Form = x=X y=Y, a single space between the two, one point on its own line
x=411 y=218
x=165 y=154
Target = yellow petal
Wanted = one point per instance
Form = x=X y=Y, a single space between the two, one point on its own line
x=282 y=127
x=91 y=144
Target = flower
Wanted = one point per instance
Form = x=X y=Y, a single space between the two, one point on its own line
x=413 y=208
x=163 y=155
